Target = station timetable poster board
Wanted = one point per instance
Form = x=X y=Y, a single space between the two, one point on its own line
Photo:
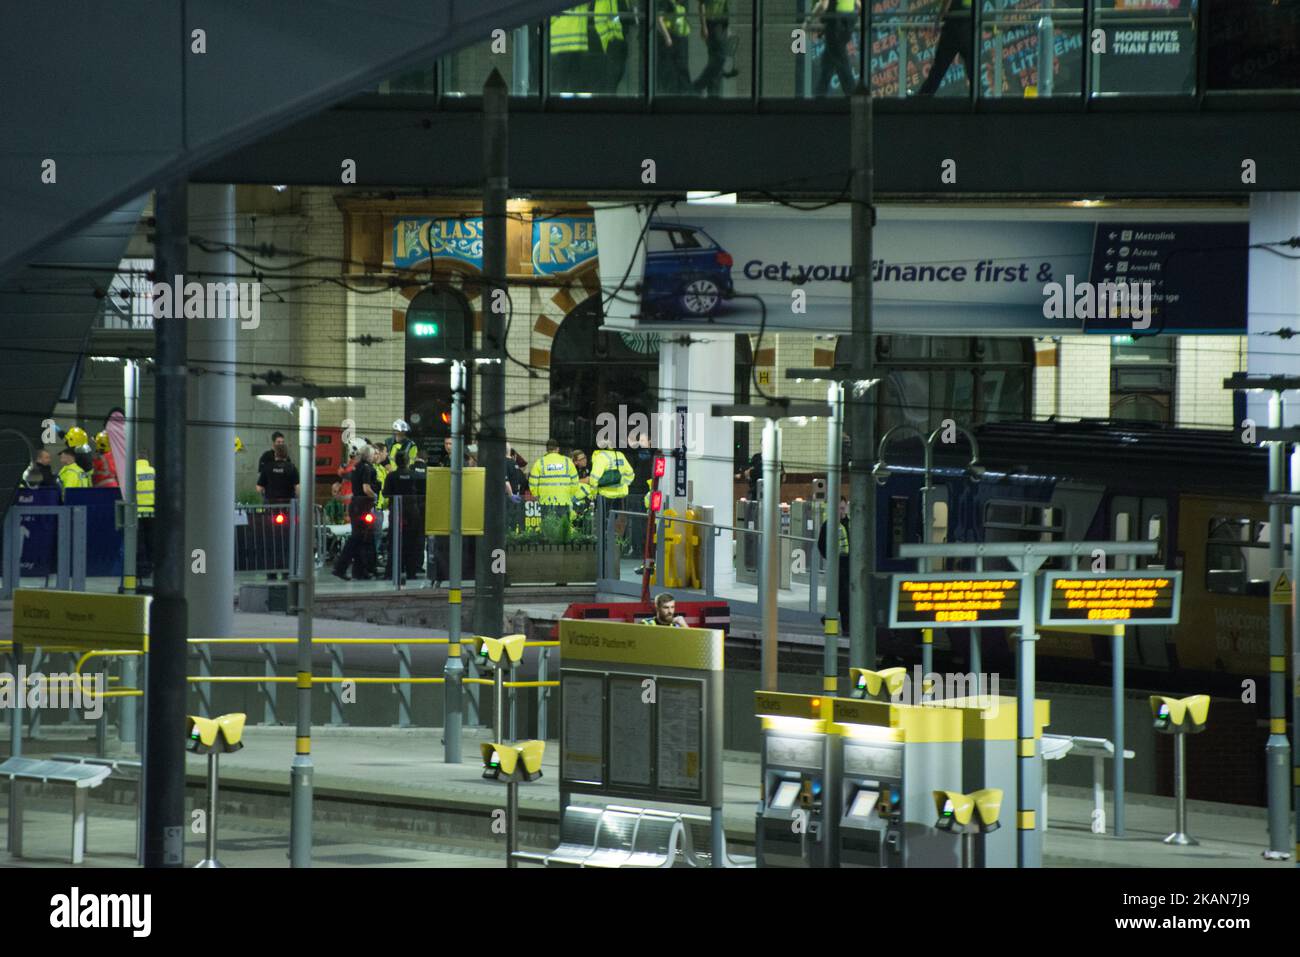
x=1115 y=598
x=954 y=598
x=637 y=709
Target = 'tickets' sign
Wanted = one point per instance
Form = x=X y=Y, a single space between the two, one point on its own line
x=970 y=601
x=1113 y=598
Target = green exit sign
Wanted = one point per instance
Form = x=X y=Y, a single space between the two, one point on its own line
x=424 y=330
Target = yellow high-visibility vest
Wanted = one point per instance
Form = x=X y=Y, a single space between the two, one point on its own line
x=143 y=487
x=554 y=479
x=608 y=25
x=679 y=23
x=73 y=476
x=569 y=30
x=605 y=459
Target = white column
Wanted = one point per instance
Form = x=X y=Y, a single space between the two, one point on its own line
x=698 y=376
x=210 y=476
x=1273 y=299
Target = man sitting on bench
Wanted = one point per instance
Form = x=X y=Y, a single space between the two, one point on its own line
x=666 y=612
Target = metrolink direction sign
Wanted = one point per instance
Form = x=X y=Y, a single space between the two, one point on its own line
x=941 y=600
x=1113 y=598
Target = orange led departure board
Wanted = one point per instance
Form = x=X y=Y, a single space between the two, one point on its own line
x=1112 y=598
x=954 y=599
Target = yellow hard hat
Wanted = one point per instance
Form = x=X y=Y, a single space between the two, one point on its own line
x=76 y=437
x=101 y=442
x=239 y=444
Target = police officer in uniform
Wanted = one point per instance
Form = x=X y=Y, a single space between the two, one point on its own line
x=144 y=477
x=402 y=442
x=401 y=485
x=355 y=553
x=554 y=481
x=673 y=32
x=838 y=17
x=715 y=19
x=572 y=67
x=71 y=475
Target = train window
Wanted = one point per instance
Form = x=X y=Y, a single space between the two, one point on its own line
x=1024 y=521
x=938 y=522
x=1236 y=556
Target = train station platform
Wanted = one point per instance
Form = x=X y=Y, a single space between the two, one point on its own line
x=385 y=797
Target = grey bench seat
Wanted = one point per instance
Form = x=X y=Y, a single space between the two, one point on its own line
x=80 y=777
x=612 y=837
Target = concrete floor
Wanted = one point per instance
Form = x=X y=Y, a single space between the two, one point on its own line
x=368 y=768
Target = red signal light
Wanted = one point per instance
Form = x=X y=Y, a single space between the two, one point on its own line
x=279 y=518
x=656 y=501
x=660 y=466
x=370 y=518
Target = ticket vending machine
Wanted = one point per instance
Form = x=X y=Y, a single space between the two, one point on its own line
x=790 y=829
x=889 y=759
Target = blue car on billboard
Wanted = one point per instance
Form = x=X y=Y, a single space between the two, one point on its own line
x=687 y=274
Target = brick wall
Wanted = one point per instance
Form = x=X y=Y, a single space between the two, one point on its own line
x=1200 y=400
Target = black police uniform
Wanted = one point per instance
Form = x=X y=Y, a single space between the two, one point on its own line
x=401 y=484
x=357 y=550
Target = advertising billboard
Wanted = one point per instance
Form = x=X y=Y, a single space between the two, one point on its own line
x=935 y=270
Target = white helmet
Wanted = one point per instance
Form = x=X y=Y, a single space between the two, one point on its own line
x=399 y=425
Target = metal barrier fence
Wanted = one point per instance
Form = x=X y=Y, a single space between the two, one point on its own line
x=402 y=682
x=264 y=538
x=69 y=559
x=705 y=535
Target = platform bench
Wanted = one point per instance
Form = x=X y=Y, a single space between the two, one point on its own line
x=80 y=777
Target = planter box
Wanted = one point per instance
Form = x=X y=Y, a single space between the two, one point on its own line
x=551 y=564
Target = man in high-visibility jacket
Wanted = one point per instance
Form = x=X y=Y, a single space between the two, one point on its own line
x=611 y=477
x=571 y=56
x=554 y=483
x=144 y=512
x=402 y=442
x=608 y=15
x=839 y=17
x=71 y=475
x=553 y=478
x=715 y=21
x=673 y=33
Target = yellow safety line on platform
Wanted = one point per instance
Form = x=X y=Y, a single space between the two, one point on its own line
x=319 y=641
x=253 y=679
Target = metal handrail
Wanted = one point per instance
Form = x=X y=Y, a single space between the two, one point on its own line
x=715 y=526
x=254 y=679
